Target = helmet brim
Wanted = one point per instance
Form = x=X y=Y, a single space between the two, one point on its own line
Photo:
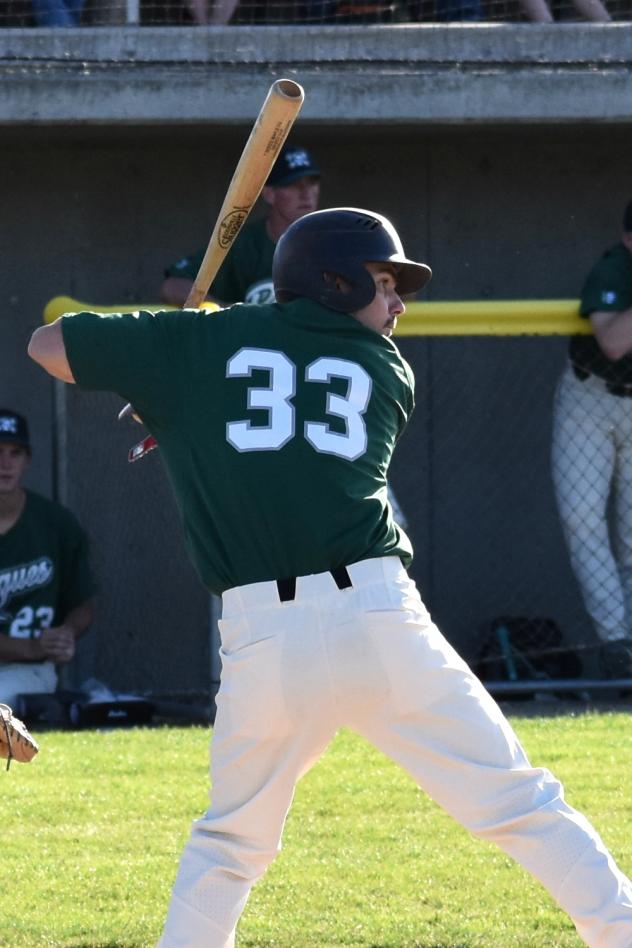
x=411 y=276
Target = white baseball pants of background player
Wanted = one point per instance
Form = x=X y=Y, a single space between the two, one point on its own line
x=368 y=657
x=25 y=678
x=591 y=462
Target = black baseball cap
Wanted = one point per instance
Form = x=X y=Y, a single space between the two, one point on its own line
x=292 y=163
x=14 y=429
x=627 y=219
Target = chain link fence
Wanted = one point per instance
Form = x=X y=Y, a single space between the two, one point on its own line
x=72 y=13
x=518 y=486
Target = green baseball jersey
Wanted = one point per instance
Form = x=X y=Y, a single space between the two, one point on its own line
x=276 y=425
x=44 y=571
x=608 y=288
x=245 y=275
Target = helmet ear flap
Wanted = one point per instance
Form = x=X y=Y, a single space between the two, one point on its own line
x=333 y=281
x=345 y=293
x=349 y=292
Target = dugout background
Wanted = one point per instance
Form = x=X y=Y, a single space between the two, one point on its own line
x=509 y=213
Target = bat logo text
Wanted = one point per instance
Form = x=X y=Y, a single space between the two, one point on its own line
x=231 y=225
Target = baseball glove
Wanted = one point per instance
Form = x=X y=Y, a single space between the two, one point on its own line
x=15 y=741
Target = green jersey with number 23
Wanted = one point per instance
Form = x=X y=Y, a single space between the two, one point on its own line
x=44 y=570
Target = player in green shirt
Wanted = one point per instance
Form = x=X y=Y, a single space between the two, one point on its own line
x=292 y=189
x=277 y=425
x=45 y=582
x=591 y=454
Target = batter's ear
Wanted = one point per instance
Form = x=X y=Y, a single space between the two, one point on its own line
x=267 y=195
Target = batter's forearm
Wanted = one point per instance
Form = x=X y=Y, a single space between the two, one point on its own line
x=20 y=650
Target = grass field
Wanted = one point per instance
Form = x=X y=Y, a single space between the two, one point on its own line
x=93 y=828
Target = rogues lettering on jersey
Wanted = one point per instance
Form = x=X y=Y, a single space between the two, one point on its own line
x=23 y=578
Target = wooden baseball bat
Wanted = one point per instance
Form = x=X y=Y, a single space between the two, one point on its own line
x=272 y=126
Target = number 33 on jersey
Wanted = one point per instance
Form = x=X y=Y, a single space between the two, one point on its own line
x=276 y=400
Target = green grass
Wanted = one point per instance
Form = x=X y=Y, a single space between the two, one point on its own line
x=93 y=828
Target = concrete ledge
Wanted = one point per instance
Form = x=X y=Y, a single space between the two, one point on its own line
x=453 y=45
x=407 y=73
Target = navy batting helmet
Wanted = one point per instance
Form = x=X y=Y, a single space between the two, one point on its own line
x=340 y=241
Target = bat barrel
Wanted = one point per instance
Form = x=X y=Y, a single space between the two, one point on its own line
x=288 y=89
x=276 y=117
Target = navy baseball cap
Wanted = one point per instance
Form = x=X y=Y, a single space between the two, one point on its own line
x=292 y=163
x=627 y=218
x=14 y=429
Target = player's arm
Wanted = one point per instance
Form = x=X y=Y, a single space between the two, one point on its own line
x=59 y=641
x=613 y=332
x=78 y=619
x=175 y=290
x=20 y=650
x=56 y=644
x=179 y=279
x=48 y=350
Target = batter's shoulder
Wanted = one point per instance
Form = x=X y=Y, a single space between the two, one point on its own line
x=244 y=313
x=407 y=370
x=395 y=357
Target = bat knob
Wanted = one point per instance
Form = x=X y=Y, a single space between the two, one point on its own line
x=128 y=410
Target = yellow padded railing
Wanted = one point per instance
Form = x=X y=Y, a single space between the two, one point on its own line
x=450 y=318
x=494 y=318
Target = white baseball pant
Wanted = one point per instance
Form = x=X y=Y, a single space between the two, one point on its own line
x=369 y=658
x=25 y=678
x=592 y=461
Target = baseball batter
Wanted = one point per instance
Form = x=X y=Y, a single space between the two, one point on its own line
x=277 y=425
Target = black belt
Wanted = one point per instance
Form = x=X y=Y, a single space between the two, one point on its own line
x=623 y=391
x=287 y=587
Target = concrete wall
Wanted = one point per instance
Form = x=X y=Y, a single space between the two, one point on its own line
x=489 y=73
x=500 y=210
